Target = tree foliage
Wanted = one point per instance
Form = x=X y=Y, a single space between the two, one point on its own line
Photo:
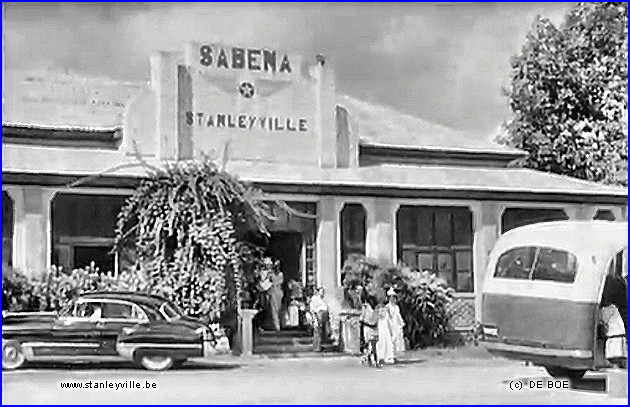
x=569 y=94
x=184 y=223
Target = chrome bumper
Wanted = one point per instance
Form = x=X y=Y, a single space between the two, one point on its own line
x=531 y=350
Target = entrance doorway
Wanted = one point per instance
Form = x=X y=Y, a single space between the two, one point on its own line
x=286 y=248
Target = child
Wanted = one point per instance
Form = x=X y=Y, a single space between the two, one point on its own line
x=369 y=324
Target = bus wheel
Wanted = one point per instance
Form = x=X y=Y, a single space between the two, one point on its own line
x=563 y=372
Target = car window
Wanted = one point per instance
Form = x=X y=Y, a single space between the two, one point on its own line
x=169 y=311
x=118 y=310
x=90 y=310
x=555 y=265
x=152 y=313
x=516 y=263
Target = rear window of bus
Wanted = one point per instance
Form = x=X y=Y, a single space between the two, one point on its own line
x=537 y=263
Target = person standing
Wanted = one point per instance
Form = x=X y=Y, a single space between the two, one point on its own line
x=275 y=296
x=369 y=325
x=396 y=323
x=319 y=310
x=385 y=345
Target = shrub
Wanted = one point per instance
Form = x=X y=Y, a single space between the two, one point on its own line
x=17 y=292
x=56 y=288
x=422 y=296
x=423 y=301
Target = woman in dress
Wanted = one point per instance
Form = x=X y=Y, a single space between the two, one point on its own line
x=385 y=345
x=396 y=323
x=275 y=297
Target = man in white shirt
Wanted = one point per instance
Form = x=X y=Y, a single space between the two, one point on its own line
x=319 y=308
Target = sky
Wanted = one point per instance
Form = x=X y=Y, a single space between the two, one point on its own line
x=443 y=62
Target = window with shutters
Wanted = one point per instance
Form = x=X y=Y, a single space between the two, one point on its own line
x=439 y=240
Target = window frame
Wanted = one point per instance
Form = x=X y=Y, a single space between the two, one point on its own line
x=351 y=214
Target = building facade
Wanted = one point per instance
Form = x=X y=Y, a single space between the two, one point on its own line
x=357 y=177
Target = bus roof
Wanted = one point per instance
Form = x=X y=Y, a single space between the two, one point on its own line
x=596 y=237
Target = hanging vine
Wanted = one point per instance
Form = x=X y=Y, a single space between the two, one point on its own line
x=185 y=221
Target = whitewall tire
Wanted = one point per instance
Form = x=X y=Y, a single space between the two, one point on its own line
x=156 y=363
x=12 y=355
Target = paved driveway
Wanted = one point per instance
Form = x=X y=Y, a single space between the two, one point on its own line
x=443 y=380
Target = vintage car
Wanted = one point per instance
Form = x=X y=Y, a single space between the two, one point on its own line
x=106 y=326
x=546 y=288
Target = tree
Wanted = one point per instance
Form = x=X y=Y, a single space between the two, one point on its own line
x=569 y=95
x=184 y=223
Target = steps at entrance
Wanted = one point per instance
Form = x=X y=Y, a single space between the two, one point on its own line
x=285 y=340
x=294 y=342
x=280 y=348
x=287 y=333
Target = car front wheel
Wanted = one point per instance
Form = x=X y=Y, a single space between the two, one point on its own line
x=12 y=355
x=156 y=363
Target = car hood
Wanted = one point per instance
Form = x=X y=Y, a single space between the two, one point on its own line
x=188 y=323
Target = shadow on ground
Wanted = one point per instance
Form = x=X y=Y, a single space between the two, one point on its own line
x=404 y=362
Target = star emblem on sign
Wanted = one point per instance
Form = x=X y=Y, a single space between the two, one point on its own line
x=246 y=89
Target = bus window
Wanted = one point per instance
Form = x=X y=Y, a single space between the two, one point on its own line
x=555 y=265
x=516 y=263
x=537 y=263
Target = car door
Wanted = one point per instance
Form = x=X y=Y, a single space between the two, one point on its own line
x=118 y=315
x=75 y=334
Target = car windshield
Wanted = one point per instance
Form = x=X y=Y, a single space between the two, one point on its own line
x=169 y=311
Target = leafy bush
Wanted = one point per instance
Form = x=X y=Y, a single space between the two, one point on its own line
x=17 y=292
x=422 y=296
x=53 y=290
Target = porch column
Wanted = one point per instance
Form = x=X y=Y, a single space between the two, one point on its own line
x=581 y=212
x=32 y=236
x=487 y=226
x=381 y=218
x=328 y=212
